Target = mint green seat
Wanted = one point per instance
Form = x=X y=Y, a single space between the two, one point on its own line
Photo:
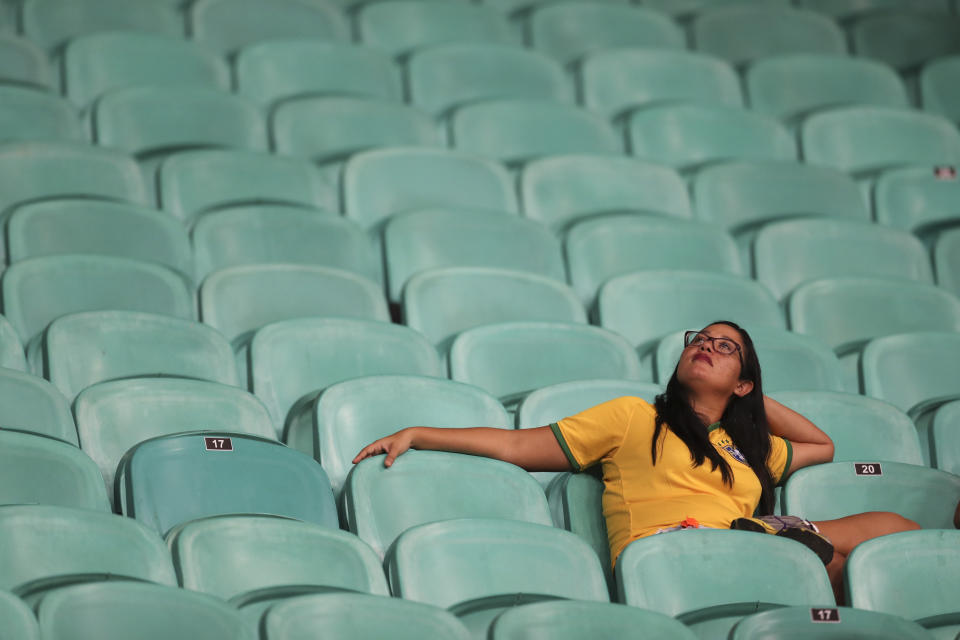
x=441 y=303
x=905 y=39
x=744 y=33
x=833 y=490
x=519 y=10
x=157 y=480
x=29 y=115
x=517 y=130
x=225 y=26
x=915 y=200
x=575 y=501
x=194 y=182
x=21 y=61
x=37 y=469
x=801 y=623
x=400 y=26
x=846 y=10
x=368 y=616
x=18 y=620
x=12 y=355
x=687 y=136
x=946 y=262
x=792 y=86
x=335 y=425
x=944 y=436
x=113 y=611
x=114 y=416
x=557 y=401
x=601 y=248
x=444 y=237
x=567 y=31
x=275 y=70
x=700 y=577
x=685 y=9
x=572 y=619
x=913 y=574
x=444 y=77
x=938 y=87
x=913 y=371
x=96 y=63
x=297 y=359
x=560 y=190
x=379 y=504
x=615 y=81
x=30 y=403
x=790 y=361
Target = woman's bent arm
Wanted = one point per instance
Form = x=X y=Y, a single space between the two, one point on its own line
x=810 y=444
x=533 y=449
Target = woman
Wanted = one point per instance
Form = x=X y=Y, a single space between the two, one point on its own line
x=706 y=454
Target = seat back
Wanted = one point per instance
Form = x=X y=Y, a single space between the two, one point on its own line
x=17 y=619
x=51 y=24
x=575 y=501
x=850 y=622
x=557 y=401
x=12 y=355
x=905 y=39
x=21 y=61
x=30 y=403
x=28 y=115
x=915 y=199
x=945 y=438
x=910 y=369
x=946 y=263
x=938 y=87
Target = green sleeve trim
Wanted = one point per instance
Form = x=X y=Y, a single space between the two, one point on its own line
x=563 y=445
x=786 y=467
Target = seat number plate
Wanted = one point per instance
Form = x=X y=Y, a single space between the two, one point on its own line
x=218 y=444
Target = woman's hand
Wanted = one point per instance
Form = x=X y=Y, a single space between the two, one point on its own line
x=392 y=445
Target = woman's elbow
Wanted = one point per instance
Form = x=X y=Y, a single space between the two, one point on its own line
x=827 y=451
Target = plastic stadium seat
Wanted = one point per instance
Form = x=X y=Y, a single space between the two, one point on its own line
x=689 y=575
x=519 y=10
x=852 y=9
x=517 y=130
x=29 y=115
x=36 y=469
x=51 y=23
x=114 y=416
x=915 y=199
x=571 y=619
x=804 y=623
x=225 y=26
x=327 y=129
x=116 y=610
x=194 y=182
x=169 y=480
x=614 y=81
x=684 y=9
x=559 y=190
x=240 y=300
x=440 y=237
x=39 y=290
x=255 y=234
x=83 y=225
x=569 y=30
x=347 y=416
x=745 y=33
x=30 y=403
x=558 y=401
x=96 y=63
x=944 y=437
x=938 y=92
x=912 y=370
x=791 y=252
x=400 y=26
x=905 y=39
x=12 y=355
x=792 y=86
x=377 y=184
x=272 y=71
x=17 y=619
x=291 y=359
x=790 y=361
x=945 y=260
x=443 y=77
x=367 y=616
x=379 y=504
x=21 y=61
x=836 y=489
x=602 y=248
x=576 y=504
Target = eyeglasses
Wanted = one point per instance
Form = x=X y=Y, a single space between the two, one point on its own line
x=723 y=346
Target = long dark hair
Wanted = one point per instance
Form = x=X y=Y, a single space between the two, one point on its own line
x=744 y=420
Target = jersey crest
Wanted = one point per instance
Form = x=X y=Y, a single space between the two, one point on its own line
x=735 y=453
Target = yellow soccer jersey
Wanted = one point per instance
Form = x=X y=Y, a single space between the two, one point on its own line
x=640 y=498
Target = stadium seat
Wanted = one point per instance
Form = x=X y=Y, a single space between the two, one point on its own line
x=806 y=623
x=687 y=136
x=17 y=619
x=918 y=200
x=790 y=87
x=114 y=416
x=946 y=263
x=31 y=404
x=685 y=9
x=172 y=479
x=690 y=575
x=289 y=360
x=905 y=39
x=21 y=61
x=347 y=416
x=36 y=469
x=846 y=10
x=790 y=361
x=744 y=33
x=360 y=615
x=913 y=371
x=259 y=234
x=944 y=437
x=938 y=92
x=567 y=31
x=226 y=26
x=554 y=402
x=518 y=130
x=572 y=619
x=440 y=237
x=575 y=501
x=379 y=504
x=194 y=182
x=441 y=303
x=29 y=115
x=559 y=190
x=602 y=248
x=913 y=574
x=612 y=82
x=96 y=63
x=110 y=611
x=272 y=71
x=443 y=77
x=12 y=355
x=509 y=360
x=401 y=26
x=927 y=496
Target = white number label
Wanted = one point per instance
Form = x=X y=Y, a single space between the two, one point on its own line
x=867 y=468
x=825 y=615
x=218 y=444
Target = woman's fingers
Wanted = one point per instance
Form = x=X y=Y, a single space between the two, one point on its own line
x=393 y=446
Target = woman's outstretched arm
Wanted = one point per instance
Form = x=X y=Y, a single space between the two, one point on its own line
x=533 y=449
x=810 y=444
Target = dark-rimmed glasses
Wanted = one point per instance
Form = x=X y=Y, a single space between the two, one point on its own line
x=723 y=346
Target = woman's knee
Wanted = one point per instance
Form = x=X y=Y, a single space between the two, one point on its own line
x=884 y=522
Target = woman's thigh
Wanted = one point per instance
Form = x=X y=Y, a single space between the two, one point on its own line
x=846 y=533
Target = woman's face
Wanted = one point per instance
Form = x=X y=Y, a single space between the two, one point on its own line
x=709 y=364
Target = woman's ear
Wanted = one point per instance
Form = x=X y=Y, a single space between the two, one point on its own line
x=743 y=388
